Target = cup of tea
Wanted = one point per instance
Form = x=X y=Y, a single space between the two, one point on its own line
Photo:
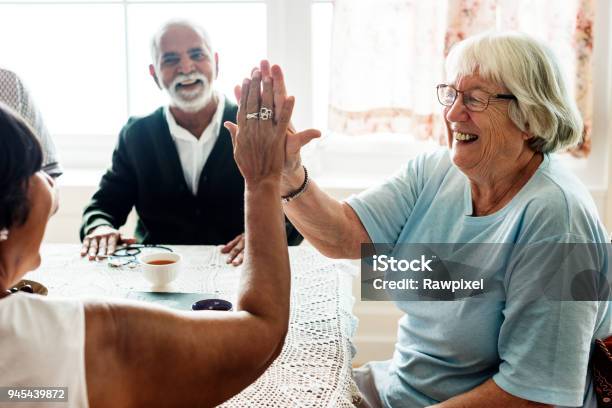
x=160 y=268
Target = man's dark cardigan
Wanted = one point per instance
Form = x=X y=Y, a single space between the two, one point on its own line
x=146 y=173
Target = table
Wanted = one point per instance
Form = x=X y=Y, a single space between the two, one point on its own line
x=314 y=368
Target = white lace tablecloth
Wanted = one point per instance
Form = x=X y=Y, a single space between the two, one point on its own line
x=314 y=368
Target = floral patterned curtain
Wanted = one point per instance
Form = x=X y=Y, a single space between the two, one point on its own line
x=388 y=55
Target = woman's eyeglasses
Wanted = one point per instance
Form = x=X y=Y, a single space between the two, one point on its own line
x=475 y=100
x=127 y=255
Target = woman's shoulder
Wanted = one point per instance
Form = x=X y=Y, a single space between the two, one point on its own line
x=429 y=164
x=37 y=312
x=556 y=202
x=435 y=158
x=558 y=187
x=43 y=343
x=421 y=170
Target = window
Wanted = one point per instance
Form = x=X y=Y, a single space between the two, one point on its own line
x=86 y=63
x=360 y=161
x=322 y=14
x=72 y=57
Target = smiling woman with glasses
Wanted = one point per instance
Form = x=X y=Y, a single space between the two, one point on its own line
x=506 y=109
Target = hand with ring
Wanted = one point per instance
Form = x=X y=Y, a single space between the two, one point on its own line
x=259 y=140
x=293 y=173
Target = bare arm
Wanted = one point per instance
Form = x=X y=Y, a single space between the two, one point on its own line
x=142 y=356
x=486 y=395
x=329 y=225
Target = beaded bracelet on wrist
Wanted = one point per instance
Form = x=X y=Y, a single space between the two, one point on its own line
x=295 y=194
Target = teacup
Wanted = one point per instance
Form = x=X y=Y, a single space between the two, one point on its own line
x=160 y=268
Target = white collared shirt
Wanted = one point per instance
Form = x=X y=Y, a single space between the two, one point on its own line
x=193 y=152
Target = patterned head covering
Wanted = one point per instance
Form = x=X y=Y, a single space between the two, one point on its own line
x=14 y=94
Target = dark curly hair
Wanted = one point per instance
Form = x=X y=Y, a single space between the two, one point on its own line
x=20 y=157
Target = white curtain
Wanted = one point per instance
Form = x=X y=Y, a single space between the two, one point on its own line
x=388 y=55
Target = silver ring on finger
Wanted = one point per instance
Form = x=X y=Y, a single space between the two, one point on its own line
x=254 y=115
x=265 y=113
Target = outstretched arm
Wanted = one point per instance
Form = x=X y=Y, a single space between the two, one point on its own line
x=488 y=394
x=329 y=225
x=141 y=356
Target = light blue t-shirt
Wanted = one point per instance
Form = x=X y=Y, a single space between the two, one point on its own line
x=538 y=351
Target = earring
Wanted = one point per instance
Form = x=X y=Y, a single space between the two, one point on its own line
x=4 y=233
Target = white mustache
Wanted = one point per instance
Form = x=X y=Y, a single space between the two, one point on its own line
x=189 y=77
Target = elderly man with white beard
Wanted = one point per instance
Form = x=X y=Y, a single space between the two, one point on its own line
x=175 y=166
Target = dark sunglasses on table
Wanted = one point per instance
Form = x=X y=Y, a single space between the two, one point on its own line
x=475 y=100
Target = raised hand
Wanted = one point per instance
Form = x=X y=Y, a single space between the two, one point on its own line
x=292 y=171
x=259 y=141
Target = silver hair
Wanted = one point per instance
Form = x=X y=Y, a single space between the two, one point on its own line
x=530 y=71
x=176 y=23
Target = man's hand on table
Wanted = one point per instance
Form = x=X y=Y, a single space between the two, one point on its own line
x=102 y=241
x=235 y=248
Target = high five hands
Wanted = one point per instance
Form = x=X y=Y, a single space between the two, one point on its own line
x=292 y=166
x=259 y=137
x=284 y=163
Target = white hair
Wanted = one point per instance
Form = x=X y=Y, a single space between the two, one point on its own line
x=155 y=40
x=530 y=71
